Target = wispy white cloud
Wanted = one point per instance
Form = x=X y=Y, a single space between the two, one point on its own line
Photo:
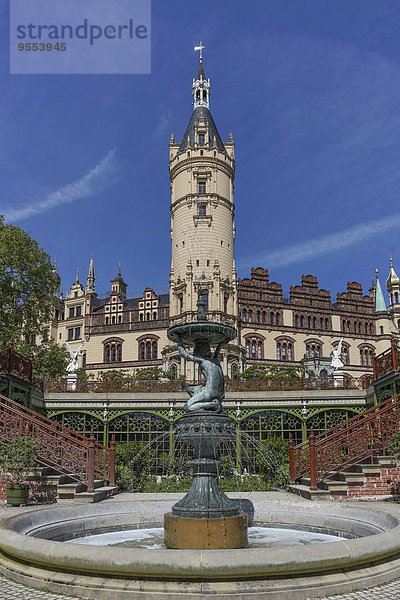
x=102 y=176
x=163 y=123
x=327 y=244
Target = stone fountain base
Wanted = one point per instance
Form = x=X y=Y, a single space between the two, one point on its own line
x=205 y=533
x=205 y=518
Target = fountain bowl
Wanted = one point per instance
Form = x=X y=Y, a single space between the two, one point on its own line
x=208 y=331
x=34 y=550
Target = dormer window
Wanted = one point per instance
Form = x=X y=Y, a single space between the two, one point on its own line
x=202 y=138
x=202 y=187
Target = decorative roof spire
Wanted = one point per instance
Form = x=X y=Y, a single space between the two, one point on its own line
x=201 y=85
x=380 y=305
x=119 y=269
x=77 y=275
x=90 y=280
x=392 y=281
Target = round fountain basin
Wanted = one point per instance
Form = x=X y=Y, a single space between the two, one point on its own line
x=36 y=549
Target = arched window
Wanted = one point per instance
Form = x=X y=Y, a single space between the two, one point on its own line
x=244 y=314
x=296 y=320
x=271 y=318
x=345 y=355
x=326 y=323
x=154 y=316
x=321 y=323
x=247 y=349
x=250 y=316
x=309 y=322
x=174 y=371
x=112 y=350
x=314 y=322
x=371 y=330
x=141 y=317
x=278 y=351
x=289 y=351
x=258 y=316
x=344 y=325
x=253 y=349
x=366 y=328
x=396 y=297
x=148 y=347
x=120 y=319
x=301 y=321
x=148 y=316
x=107 y=320
x=259 y=350
x=113 y=319
x=263 y=317
x=277 y=318
x=234 y=370
x=348 y=326
x=284 y=355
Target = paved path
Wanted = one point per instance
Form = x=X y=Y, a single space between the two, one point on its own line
x=9 y=590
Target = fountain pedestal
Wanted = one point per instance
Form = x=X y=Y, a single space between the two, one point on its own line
x=205 y=518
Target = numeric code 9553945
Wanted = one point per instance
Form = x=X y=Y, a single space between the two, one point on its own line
x=42 y=47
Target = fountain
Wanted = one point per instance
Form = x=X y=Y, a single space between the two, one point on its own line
x=205 y=518
x=92 y=551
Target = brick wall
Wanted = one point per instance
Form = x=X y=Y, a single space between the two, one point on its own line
x=385 y=484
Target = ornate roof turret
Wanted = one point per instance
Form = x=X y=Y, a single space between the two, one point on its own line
x=392 y=281
x=118 y=284
x=90 y=280
x=201 y=129
x=380 y=304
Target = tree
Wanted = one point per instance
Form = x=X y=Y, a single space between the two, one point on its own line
x=50 y=361
x=28 y=283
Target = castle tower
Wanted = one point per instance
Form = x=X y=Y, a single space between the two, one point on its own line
x=202 y=170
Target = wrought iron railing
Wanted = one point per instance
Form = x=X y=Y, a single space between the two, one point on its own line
x=360 y=438
x=387 y=361
x=231 y=385
x=64 y=450
x=13 y=363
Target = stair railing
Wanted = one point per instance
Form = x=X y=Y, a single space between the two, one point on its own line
x=59 y=448
x=350 y=442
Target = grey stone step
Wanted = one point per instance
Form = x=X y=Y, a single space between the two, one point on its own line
x=305 y=492
x=99 y=494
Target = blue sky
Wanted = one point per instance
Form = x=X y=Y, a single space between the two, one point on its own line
x=310 y=90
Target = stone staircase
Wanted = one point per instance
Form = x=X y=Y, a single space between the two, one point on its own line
x=366 y=480
x=65 y=488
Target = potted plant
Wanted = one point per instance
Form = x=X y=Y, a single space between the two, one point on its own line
x=18 y=462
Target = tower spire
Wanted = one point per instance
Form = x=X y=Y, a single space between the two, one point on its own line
x=201 y=85
x=380 y=304
x=90 y=280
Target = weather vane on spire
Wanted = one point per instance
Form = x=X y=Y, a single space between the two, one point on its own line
x=200 y=47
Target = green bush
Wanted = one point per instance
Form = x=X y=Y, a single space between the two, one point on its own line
x=18 y=459
x=394 y=447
